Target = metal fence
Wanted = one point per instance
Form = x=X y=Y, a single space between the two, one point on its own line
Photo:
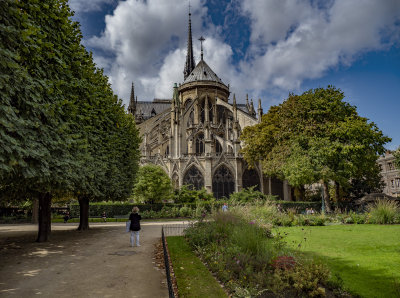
x=175 y=229
x=166 y=262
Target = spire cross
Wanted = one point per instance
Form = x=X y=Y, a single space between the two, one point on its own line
x=201 y=45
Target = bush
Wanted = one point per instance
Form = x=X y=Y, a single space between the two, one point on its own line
x=383 y=211
x=248 y=195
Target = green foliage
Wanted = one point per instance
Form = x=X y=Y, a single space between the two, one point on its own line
x=153 y=185
x=384 y=212
x=193 y=278
x=63 y=130
x=396 y=154
x=315 y=136
x=248 y=195
x=241 y=253
x=187 y=195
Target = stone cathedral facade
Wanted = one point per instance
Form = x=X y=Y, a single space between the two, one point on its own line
x=194 y=136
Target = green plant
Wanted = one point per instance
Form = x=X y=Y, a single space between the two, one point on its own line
x=383 y=211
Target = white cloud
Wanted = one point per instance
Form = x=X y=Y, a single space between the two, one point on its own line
x=308 y=40
x=141 y=37
x=290 y=41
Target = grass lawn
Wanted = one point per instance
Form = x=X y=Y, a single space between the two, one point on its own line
x=193 y=278
x=366 y=257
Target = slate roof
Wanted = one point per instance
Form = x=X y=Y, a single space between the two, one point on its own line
x=202 y=72
x=243 y=107
x=151 y=108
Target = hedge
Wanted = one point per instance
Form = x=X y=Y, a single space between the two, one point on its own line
x=300 y=205
x=117 y=209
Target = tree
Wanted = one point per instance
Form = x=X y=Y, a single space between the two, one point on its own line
x=315 y=137
x=397 y=157
x=152 y=185
x=63 y=130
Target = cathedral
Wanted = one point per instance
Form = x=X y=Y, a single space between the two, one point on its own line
x=194 y=136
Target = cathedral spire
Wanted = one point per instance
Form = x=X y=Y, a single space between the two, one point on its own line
x=132 y=102
x=190 y=63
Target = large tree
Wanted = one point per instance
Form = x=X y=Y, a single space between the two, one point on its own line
x=315 y=137
x=56 y=109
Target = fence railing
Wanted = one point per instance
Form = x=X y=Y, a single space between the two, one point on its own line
x=175 y=229
x=166 y=262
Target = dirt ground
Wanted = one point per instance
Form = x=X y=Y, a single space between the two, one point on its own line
x=94 y=263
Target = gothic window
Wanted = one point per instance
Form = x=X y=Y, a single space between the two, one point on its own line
x=251 y=178
x=200 y=144
x=223 y=182
x=193 y=178
x=211 y=111
x=221 y=116
x=167 y=151
x=218 y=147
x=187 y=103
x=190 y=119
x=202 y=115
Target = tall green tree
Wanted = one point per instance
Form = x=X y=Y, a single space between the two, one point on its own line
x=315 y=137
x=152 y=185
x=56 y=110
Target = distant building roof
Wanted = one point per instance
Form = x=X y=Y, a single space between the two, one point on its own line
x=202 y=72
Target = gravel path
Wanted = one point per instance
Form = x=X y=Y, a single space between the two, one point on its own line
x=95 y=263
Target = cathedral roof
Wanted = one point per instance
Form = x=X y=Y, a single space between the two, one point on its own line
x=202 y=72
x=149 y=109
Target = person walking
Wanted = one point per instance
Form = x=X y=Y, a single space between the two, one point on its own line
x=225 y=207
x=135 y=226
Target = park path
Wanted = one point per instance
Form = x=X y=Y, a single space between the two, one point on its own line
x=95 y=263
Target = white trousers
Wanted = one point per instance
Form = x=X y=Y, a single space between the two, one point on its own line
x=135 y=234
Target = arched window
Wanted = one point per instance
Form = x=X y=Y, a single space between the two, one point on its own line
x=193 y=178
x=211 y=111
x=166 y=151
x=251 y=178
x=200 y=144
x=218 y=147
x=223 y=182
x=187 y=103
x=221 y=115
x=190 y=119
x=202 y=114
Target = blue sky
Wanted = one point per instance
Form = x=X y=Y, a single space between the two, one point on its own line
x=264 y=48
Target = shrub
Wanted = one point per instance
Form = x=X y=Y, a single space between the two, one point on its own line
x=383 y=211
x=247 y=195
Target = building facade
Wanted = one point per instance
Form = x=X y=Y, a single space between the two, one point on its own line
x=194 y=136
x=390 y=174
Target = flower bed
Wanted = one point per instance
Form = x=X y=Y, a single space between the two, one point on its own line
x=251 y=262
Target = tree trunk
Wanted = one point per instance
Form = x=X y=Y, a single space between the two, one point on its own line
x=44 y=217
x=337 y=193
x=35 y=211
x=83 y=213
x=302 y=193
x=327 y=201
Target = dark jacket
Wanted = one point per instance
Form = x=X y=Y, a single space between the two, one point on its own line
x=135 y=221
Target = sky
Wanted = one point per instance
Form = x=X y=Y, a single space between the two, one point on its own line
x=263 y=48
